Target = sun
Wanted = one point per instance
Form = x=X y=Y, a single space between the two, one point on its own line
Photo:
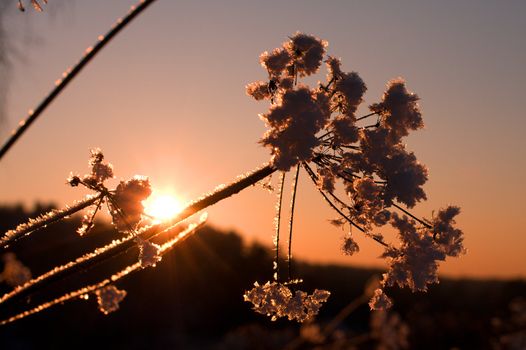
x=162 y=206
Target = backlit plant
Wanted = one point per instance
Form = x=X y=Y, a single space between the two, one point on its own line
x=362 y=169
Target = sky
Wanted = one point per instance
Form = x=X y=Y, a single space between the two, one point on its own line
x=167 y=99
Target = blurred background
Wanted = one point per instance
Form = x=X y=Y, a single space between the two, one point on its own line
x=166 y=99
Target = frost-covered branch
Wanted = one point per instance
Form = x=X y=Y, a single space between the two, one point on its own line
x=166 y=247
x=47 y=219
x=119 y=245
x=71 y=73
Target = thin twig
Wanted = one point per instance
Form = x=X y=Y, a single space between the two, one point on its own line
x=68 y=76
x=366 y=116
x=291 y=221
x=312 y=175
x=166 y=247
x=278 y=224
x=109 y=251
x=44 y=220
x=411 y=215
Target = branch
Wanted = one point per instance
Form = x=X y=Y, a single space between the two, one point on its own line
x=278 y=224
x=106 y=252
x=312 y=175
x=291 y=221
x=45 y=219
x=166 y=247
x=90 y=53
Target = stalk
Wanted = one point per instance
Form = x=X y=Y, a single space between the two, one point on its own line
x=44 y=220
x=89 y=54
x=109 y=251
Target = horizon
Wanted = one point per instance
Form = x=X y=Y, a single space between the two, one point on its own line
x=166 y=102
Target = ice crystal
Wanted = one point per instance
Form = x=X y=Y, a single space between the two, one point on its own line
x=148 y=253
x=109 y=298
x=349 y=246
x=399 y=109
x=277 y=300
x=380 y=301
x=100 y=171
x=307 y=52
x=54 y=215
x=368 y=208
x=166 y=247
x=294 y=120
x=415 y=263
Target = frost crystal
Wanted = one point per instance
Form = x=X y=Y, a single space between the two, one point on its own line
x=415 y=263
x=450 y=238
x=259 y=90
x=276 y=61
x=368 y=206
x=100 y=171
x=399 y=109
x=307 y=52
x=380 y=301
x=294 y=122
x=148 y=253
x=109 y=298
x=277 y=300
x=349 y=246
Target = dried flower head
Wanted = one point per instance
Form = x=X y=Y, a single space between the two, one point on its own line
x=380 y=301
x=126 y=204
x=109 y=298
x=277 y=300
x=399 y=109
x=149 y=253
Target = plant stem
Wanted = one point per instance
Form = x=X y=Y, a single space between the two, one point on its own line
x=278 y=224
x=312 y=175
x=411 y=215
x=366 y=116
x=107 y=252
x=166 y=247
x=48 y=218
x=68 y=76
x=291 y=221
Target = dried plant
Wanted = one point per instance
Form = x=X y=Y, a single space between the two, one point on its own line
x=363 y=171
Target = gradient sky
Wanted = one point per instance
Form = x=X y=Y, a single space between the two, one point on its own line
x=166 y=99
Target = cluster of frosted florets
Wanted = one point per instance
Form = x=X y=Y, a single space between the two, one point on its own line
x=349 y=246
x=126 y=204
x=109 y=298
x=100 y=172
x=319 y=127
x=149 y=253
x=414 y=264
x=277 y=300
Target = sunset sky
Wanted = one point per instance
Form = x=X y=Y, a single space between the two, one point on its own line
x=167 y=99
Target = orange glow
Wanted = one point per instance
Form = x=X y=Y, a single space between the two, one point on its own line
x=162 y=205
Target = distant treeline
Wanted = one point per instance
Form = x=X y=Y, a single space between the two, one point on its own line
x=193 y=299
